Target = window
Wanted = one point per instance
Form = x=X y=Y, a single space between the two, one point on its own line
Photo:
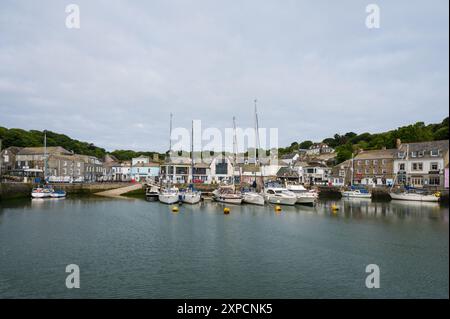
x=78 y=164
x=383 y=162
x=434 y=166
x=367 y=162
x=64 y=171
x=413 y=154
x=375 y=171
x=401 y=166
x=417 y=166
x=359 y=171
x=383 y=171
x=359 y=163
x=222 y=167
x=65 y=163
x=181 y=170
x=434 y=152
x=417 y=181
x=342 y=173
x=366 y=171
x=435 y=180
x=375 y=162
x=401 y=154
x=421 y=153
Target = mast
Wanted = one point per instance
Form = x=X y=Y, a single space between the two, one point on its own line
x=234 y=145
x=192 y=152
x=45 y=155
x=352 y=169
x=170 y=133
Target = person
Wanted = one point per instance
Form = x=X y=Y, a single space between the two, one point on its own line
x=254 y=185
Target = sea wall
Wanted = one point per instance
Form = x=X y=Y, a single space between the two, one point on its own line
x=23 y=190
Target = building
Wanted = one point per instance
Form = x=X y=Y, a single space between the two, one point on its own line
x=316 y=173
x=121 y=172
x=145 y=172
x=319 y=148
x=421 y=164
x=341 y=174
x=140 y=160
x=176 y=170
x=8 y=159
x=374 y=167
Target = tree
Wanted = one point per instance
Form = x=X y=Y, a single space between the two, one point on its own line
x=305 y=144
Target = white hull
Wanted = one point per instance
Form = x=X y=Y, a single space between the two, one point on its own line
x=253 y=198
x=55 y=195
x=414 y=197
x=351 y=194
x=281 y=200
x=168 y=198
x=40 y=195
x=191 y=198
x=228 y=200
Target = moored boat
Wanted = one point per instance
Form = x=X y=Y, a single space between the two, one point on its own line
x=304 y=196
x=227 y=194
x=169 y=196
x=253 y=198
x=191 y=197
x=58 y=194
x=274 y=193
x=40 y=192
x=152 y=193
x=415 y=195
x=356 y=193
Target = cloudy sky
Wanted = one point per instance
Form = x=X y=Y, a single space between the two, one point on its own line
x=314 y=66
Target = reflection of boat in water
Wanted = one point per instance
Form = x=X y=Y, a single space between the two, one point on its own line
x=416 y=195
x=304 y=196
x=356 y=192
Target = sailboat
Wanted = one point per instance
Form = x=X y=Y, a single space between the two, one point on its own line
x=191 y=196
x=169 y=195
x=355 y=192
x=253 y=197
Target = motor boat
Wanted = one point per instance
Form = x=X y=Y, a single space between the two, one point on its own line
x=152 y=193
x=274 y=193
x=411 y=194
x=40 y=192
x=253 y=198
x=304 y=196
x=356 y=193
x=169 y=196
x=227 y=194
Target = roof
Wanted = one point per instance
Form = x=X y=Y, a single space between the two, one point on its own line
x=287 y=172
x=252 y=168
x=201 y=165
x=442 y=145
x=376 y=154
x=12 y=149
x=150 y=164
x=41 y=150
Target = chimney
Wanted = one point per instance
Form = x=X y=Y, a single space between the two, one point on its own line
x=155 y=157
x=398 y=142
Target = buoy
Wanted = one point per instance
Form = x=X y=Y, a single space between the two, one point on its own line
x=334 y=208
x=437 y=194
x=226 y=210
x=175 y=209
x=277 y=208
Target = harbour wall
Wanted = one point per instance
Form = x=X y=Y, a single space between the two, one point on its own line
x=23 y=190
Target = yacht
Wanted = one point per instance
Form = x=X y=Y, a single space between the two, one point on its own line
x=169 y=196
x=227 y=194
x=415 y=195
x=41 y=192
x=276 y=194
x=191 y=196
x=304 y=196
x=58 y=194
x=253 y=198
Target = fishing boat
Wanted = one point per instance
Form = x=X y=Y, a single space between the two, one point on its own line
x=274 y=193
x=356 y=192
x=152 y=193
x=169 y=196
x=253 y=198
x=304 y=196
x=413 y=194
x=227 y=194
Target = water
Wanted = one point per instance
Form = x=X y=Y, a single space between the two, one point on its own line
x=136 y=249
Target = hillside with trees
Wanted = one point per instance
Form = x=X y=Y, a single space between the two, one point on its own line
x=350 y=142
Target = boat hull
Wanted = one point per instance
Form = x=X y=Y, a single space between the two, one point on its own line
x=350 y=194
x=40 y=195
x=168 y=198
x=306 y=200
x=228 y=200
x=254 y=199
x=415 y=197
x=191 y=198
x=151 y=197
x=282 y=200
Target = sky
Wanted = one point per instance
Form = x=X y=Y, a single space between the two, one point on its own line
x=314 y=67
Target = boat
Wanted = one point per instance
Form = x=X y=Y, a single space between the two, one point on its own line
x=411 y=194
x=227 y=194
x=191 y=196
x=274 y=193
x=58 y=194
x=169 y=196
x=304 y=196
x=355 y=192
x=41 y=192
x=152 y=193
x=253 y=198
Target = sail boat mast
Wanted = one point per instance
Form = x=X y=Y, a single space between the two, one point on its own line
x=45 y=155
x=192 y=152
x=234 y=145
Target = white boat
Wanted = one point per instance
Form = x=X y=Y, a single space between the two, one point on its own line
x=40 y=192
x=253 y=198
x=304 y=196
x=356 y=193
x=279 y=195
x=191 y=197
x=152 y=193
x=414 y=196
x=227 y=194
x=169 y=196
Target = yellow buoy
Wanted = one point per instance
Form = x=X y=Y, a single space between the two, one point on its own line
x=226 y=210
x=175 y=209
x=334 y=208
x=278 y=208
x=437 y=194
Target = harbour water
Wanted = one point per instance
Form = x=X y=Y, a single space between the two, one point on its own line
x=136 y=249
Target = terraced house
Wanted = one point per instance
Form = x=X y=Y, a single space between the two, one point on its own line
x=422 y=164
x=374 y=167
